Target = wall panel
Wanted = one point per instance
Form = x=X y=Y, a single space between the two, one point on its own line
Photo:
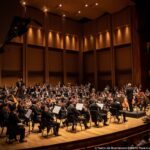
x=123 y=58
x=35 y=59
x=11 y=58
x=88 y=61
x=72 y=60
x=104 y=60
x=55 y=61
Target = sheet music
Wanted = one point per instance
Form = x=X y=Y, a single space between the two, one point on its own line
x=79 y=106
x=56 y=109
x=28 y=114
x=100 y=105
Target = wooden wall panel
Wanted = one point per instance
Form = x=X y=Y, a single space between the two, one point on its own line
x=104 y=61
x=32 y=80
x=123 y=58
x=55 y=40
x=88 y=61
x=123 y=79
x=72 y=79
x=54 y=80
x=35 y=36
x=35 y=59
x=121 y=18
x=103 y=23
x=36 y=14
x=104 y=80
x=11 y=58
x=9 y=81
x=103 y=40
x=122 y=35
x=55 y=61
x=72 y=62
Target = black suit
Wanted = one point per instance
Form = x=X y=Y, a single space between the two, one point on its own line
x=48 y=122
x=116 y=110
x=129 y=94
x=13 y=128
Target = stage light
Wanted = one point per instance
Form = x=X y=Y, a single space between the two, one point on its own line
x=60 y=5
x=96 y=4
x=79 y=12
x=64 y=15
x=86 y=5
x=45 y=9
x=23 y=3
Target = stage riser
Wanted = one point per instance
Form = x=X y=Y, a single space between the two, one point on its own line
x=135 y=114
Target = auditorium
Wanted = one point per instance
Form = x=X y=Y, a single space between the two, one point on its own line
x=74 y=74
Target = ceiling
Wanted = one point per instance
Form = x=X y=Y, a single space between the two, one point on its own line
x=71 y=8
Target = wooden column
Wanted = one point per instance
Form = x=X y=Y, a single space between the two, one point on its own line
x=135 y=52
x=46 y=53
x=113 y=72
x=81 y=42
x=24 y=55
x=95 y=63
x=64 y=51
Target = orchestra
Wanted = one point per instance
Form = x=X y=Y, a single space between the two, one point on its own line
x=70 y=104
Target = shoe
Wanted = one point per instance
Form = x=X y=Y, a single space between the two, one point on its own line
x=106 y=124
x=22 y=141
x=125 y=120
x=87 y=127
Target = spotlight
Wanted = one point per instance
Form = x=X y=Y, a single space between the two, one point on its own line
x=45 y=9
x=96 y=4
x=86 y=5
x=60 y=5
x=79 y=12
x=64 y=15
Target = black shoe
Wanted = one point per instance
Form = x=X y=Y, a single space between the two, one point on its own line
x=125 y=120
x=22 y=141
x=106 y=124
x=86 y=127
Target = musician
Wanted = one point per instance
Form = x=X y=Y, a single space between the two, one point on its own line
x=47 y=121
x=73 y=116
x=97 y=115
x=36 y=114
x=14 y=127
x=117 y=109
x=129 y=94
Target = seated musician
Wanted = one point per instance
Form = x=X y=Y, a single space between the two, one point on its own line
x=116 y=109
x=97 y=115
x=36 y=114
x=73 y=116
x=47 y=121
x=14 y=126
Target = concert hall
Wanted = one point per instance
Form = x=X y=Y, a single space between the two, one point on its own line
x=74 y=74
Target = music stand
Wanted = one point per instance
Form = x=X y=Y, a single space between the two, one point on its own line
x=56 y=109
x=28 y=116
x=101 y=105
x=79 y=106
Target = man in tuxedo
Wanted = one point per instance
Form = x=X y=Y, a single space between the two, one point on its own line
x=129 y=94
x=14 y=126
x=116 y=109
x=47 y=121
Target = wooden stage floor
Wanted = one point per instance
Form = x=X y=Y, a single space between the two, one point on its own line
x=36 y=139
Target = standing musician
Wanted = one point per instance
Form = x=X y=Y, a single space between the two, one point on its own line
x=129 y=94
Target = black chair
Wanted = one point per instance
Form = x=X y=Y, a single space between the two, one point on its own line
x=95 y=117
x=115 y=113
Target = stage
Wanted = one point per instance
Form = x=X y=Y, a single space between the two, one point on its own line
x=67 y=140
